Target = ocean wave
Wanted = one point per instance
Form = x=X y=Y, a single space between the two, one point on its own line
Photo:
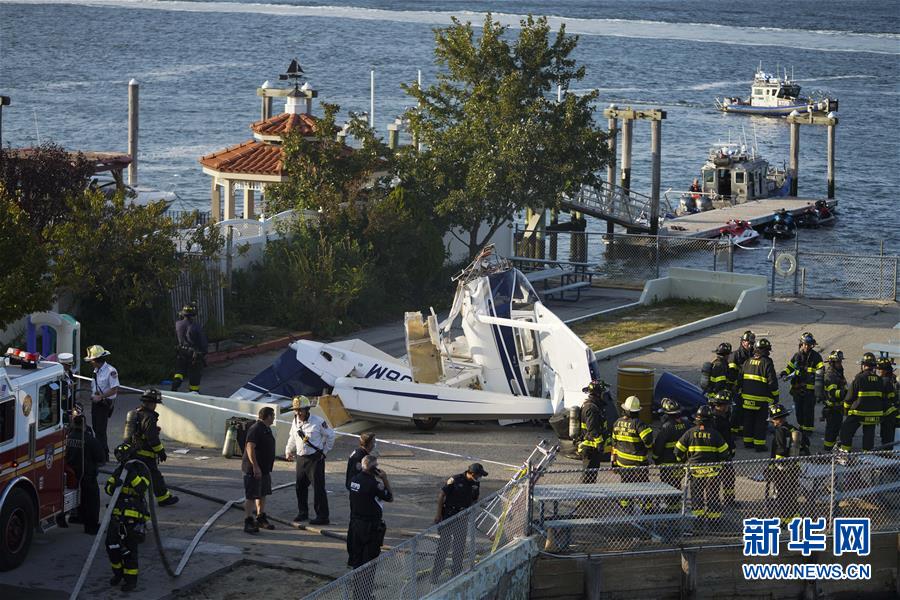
x=822 y=40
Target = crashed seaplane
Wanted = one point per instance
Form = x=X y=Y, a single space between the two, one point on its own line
x=515 y=359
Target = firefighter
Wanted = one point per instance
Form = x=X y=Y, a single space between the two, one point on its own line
x=700 y=447
x=129 y=517
x=632 y=444
x=190 y=353
x=69 y=383
x=142 y=433
x=721 y=422
x=804 y=370
x=835 y=392
x=864 y=405
x=104 y=391
x=758 y=389
x=593 y=439
x=885 y=370
x=722 y=371
x=84 y=455
x=740 y=356
x=787 y=441
x=673 y=427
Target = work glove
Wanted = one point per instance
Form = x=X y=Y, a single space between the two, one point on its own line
x=161 y=456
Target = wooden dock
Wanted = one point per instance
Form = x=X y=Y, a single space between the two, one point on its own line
x=757 y=212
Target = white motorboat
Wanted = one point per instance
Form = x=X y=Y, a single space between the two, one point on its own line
x=515 y=359
x=775 y=96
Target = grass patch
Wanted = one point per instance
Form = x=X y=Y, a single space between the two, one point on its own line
x=634 y=323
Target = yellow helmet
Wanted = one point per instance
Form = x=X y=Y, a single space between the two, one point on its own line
x=95 y=352
x=301 y=402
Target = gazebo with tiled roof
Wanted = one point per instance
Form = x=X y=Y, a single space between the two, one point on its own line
x=252 y=165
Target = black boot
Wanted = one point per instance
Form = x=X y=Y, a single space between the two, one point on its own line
x=116 y=578
x=129 y=585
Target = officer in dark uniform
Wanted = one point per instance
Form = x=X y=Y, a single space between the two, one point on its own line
x=632 y=442
x=593 y=438
x=369 y=489
x=129 y=517
x=722 y=372
x=738 y=358
x=721 y=422
x=354 y=463
x=459 y=493
x=84 y=455
x=190 y=353
x=699 y=446
x=885 y=370
x=803 y=369
x=142 y=432
x=835 y=392
x=673 y=427
x=758 y=389
x=787 y=441
x=864 y=404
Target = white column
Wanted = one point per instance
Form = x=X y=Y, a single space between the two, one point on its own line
x=215 y=200
x=229 y=199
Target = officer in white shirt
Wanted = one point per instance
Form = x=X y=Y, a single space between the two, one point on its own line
x=310 y=440
x=104 y=389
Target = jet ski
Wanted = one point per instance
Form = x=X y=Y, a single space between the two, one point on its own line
x=739 y=232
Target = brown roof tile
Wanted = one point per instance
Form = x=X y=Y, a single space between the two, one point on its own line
x=248 y=157
x=285 y=122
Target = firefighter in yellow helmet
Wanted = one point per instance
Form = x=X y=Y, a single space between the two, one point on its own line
x=104 y=391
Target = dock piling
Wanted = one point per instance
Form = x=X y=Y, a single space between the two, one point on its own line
x=655 y=149
x=133 y=131
x=831 y=133
x=794 y=156
x=627 y=129
x=611 y=143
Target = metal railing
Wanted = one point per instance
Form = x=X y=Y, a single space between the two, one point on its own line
x=613 y=203
x=668 y=508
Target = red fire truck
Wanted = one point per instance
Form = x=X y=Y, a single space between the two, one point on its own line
x=33 y=487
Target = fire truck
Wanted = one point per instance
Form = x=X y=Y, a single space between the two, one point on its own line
x=33 y=479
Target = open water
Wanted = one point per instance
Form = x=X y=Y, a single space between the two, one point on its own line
x=66 y=64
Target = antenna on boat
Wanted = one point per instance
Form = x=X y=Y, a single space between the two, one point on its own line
x=755 y=141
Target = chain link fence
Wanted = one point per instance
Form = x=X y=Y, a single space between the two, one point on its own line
x=427 y=561
x=623 y=511
x=830 y=275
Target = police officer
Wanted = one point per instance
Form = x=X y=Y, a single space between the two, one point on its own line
x=190 y=353
x=129 y=517
x=368 y=490
x=835 y=392
x=721 y=422
x=885 y=370
x=142 y=433
x=864 y=405
x=698 y=447
x=758 y=389
x=367 y=445
x=722 y=371
x=310 y=439
x=84 y=455
x=104 y=390
x=803 y=369
x=740 y=356
x=632 y=444
x=787 y=441
x=459 y=493
x=672 y=428
x=69 y=383
x=593 y=438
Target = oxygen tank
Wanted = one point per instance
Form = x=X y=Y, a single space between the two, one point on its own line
x=796 y=440
x=574 y=422
x=705 y=371
x=819 y=384
x=230 y=439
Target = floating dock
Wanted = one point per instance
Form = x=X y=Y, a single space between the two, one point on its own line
x=757 y=212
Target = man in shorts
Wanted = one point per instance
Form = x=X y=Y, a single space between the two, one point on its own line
x=259 y=457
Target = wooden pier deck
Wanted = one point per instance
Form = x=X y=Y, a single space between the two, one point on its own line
x=757 y=212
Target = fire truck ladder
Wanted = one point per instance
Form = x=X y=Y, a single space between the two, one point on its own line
x=490 y=521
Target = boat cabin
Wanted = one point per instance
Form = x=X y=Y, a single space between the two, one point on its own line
x=735 y=175
x=769 y=90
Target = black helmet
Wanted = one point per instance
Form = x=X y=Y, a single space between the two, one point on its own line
x=704 y=414
x=724 y=349
x=885 y=364
x=595 y=388
x=152 y=395
x=123 y=452
x=778 y=410
x=189 y=310
x=720 y=398
x=868 y=360
x=836 y=356
x=807 y=338
x=670 y=407
x=748 y=336
x=764 y=345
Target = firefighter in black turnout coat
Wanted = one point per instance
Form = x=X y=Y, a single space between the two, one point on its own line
x=129 y=517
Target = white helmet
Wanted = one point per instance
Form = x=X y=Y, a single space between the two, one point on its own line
x=632 y=404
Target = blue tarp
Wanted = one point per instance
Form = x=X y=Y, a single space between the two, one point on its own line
x=688 y=395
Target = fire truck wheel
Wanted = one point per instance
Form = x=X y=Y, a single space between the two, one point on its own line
x=426 y=424
x=16 y=529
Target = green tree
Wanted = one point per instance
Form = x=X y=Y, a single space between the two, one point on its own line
x=495 y=139
x=25 y=286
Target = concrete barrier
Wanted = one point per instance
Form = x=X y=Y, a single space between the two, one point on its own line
x=504 y=575
x=746 y=293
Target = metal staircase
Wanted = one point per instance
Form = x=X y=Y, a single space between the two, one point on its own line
x=613 y=203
